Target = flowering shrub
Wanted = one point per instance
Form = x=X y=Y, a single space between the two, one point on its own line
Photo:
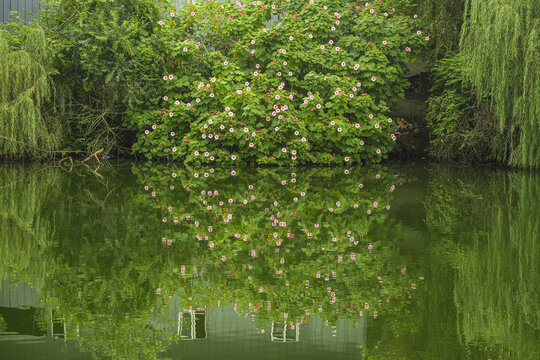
x=276 y=83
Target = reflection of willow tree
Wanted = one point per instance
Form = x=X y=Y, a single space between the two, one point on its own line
x=104 y=258
x=80 y=241
x=496 y=291
x=278 y=244
x=26 y=229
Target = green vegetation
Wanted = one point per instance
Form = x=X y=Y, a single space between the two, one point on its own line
x=501 y=42
x=460 y=126
x=89 y=75
x=26 y=127
x=313 y=87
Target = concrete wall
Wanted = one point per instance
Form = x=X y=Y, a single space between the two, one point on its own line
x=28 y=8
x=25 y=8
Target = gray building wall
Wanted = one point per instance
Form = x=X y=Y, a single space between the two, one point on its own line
x=28 y=8
x=25 y=8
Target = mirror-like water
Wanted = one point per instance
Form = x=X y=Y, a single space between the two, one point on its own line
x=417 y=261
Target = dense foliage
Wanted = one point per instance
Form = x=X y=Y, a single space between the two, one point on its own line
x=99 y=71
x=460 y=126
x=314 y=86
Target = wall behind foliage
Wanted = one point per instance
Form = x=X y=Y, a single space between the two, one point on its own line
x=25 y=8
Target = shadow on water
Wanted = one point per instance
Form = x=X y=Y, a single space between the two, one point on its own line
x=147 y=261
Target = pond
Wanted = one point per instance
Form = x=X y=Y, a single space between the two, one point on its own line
x=152 y=261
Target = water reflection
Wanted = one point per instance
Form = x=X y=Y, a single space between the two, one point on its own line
x=495 y=252
x=150 y=261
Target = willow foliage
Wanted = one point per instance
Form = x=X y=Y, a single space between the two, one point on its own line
x=25 y=88
x=501 y=40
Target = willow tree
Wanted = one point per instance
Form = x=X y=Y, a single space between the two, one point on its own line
x=25 y=89
x=501 y=39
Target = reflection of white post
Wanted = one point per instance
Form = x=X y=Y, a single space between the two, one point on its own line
x=187 y=324
x=179 y=326
x=280 y=333
x=50 y=332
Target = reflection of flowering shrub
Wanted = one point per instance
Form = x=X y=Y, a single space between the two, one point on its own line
x=285 y=82
x=278 y=244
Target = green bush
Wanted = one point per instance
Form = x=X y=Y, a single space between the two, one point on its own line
x=314 y=86
x=459 y=125
x=99 y=72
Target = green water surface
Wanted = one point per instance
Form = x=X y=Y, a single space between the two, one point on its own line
x=153 y=261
